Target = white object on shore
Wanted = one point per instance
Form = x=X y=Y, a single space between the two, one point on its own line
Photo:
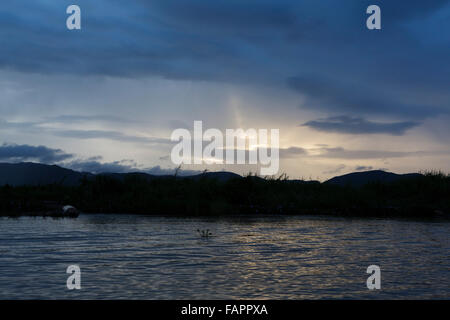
x=69 y=210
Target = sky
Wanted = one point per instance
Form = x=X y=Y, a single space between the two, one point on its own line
x=345 y=98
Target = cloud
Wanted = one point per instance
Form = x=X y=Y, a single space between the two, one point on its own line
x=20 y=153
x=129 y=57
x=363 y=168
x=71 y=118
x=389 y=72
x=93 y=166
x=292 y=152
x=356 y=125
x=286 y=153
x=200 y=39
x=178 y=124
x=341 y=153
x=45 y=155
x=39 y=127
x=414 y=10
x=335 y=170
x=110 y=135
x=231 y=17
x=337 y=95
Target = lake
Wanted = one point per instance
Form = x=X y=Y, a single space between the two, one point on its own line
x=269 y=257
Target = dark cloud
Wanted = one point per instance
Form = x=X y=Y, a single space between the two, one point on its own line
x=202 y=39
x=124 y=166
x=19 y=153
x=355 y=125
x=94 y=166
x=363 y=168
x=336 y=95
x=325 y=51
x=231 y=16
x=395 y=11
x=292 y=152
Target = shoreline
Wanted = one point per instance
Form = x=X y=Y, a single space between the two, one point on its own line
x=398 y=213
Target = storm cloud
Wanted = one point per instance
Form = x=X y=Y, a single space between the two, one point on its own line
x=117 y=84
x=386 y=72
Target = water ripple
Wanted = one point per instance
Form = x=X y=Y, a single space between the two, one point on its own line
x=139 y=257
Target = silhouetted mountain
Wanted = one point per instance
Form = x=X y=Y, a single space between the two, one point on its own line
x=27 y=173
x=308 y=182
x=221 y=176
x=140 y=175
x=359 y=179
x=18 y=174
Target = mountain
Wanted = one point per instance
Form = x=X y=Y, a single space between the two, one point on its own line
x=221 y=176
x=140 y=175
x=359 y=179
x=27 y=173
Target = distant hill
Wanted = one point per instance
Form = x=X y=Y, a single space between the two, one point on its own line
x=221 y=176
x=27 y=173
x=359 y=179
x=142 y=175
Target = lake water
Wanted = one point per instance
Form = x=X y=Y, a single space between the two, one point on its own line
x=143 y=257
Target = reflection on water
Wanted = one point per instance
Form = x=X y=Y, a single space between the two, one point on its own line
x=136 y=257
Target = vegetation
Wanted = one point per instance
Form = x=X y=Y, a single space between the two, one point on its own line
x=426 y=196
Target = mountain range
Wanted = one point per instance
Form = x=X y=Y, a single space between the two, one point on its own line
x=358 y=179
x=27 y=173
